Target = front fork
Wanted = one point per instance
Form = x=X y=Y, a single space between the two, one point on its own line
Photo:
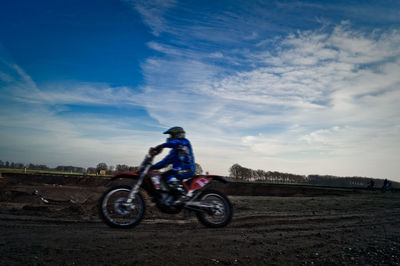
x=135 y=188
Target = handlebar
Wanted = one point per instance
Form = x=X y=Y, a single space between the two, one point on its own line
x=148 y=160
x=153 y=151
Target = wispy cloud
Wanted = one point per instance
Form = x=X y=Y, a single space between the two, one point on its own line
x=18 y=86
x=35 y=129
x=335 y=85
x=248 y=86
x=153 y=13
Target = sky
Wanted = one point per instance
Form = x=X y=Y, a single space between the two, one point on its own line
x=302 y=87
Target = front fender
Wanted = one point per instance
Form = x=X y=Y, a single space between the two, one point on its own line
x=129 y=175
x=129 y=178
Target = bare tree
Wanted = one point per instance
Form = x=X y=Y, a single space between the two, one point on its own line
x=122 y=168
x=101 y=167
x=198 y=170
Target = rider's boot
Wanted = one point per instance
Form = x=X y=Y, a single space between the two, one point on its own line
x=177 y=188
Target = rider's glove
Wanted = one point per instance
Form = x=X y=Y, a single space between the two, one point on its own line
x=156 y=150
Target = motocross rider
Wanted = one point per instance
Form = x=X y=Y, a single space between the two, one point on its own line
x=180 y=157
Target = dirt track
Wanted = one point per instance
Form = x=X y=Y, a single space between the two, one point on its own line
x=353 y=228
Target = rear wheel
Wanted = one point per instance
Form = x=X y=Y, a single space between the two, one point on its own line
x=217 y=210
x=116 y=212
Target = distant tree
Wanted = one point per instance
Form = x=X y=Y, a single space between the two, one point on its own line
x=238 y=172
x=134 y=169
x=122 y=168
x=19 y=165
x=7 y=165
x=198 y=170
x=1 y=164
x=234 y=171
x=43 y=167
x=111 y=169
x=101 y=166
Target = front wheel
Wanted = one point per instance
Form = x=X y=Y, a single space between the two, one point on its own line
x=217 y=210
x=116 y=212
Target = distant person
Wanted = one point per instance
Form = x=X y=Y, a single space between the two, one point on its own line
x=387 y=185
x=385 y=182
x=371 y=184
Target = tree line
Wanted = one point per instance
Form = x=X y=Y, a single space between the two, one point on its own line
x=13 y=165
x=236 y=173
x=240 y=173
x=100 y=169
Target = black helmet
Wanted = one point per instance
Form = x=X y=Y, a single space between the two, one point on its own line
x=175 y=133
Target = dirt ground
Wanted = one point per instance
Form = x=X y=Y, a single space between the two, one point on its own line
x=352 y=228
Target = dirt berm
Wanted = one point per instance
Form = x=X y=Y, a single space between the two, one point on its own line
x=231 y=188
x=271 y=225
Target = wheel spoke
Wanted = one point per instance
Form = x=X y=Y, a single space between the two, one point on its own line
x=118 y=212
x=218 y=211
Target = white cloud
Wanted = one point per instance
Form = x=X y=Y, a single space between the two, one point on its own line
x=322 y=101
x=329 y=94
x=33 y=131
x=217 y=55
x=18 y=86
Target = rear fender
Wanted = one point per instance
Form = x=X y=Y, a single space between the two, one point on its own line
x=217 y=178
x=202 y=181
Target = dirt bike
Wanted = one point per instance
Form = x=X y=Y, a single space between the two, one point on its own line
x=124 y=206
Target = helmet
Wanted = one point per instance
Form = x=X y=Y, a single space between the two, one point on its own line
x=175 y=133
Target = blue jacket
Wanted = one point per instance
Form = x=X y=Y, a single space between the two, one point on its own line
x=181 y=156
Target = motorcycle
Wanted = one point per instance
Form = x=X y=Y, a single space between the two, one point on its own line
x=124 y=206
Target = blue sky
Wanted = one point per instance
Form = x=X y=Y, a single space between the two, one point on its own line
x=306 y=87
